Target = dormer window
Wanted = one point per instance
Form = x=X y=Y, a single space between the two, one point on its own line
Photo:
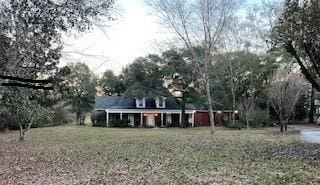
x=161 y=102
x=140 y=102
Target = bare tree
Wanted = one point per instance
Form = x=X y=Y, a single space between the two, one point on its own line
x=198 y=23
x=261 y=19
x=284 y=92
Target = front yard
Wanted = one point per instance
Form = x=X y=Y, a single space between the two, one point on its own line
x=86 y=155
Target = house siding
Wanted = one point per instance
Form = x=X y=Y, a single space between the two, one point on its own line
x=201 y=119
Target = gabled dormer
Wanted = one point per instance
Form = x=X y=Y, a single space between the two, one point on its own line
x=141 y=102
x=161 y=102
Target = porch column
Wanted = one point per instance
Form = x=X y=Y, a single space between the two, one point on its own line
x=161 y=119
x=192 y=119
x=120 y=115
x=141 y=119
x=107 y=118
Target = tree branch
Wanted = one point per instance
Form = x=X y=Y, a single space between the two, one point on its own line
x=14 y=84
x=290 y=49
x=25 y=80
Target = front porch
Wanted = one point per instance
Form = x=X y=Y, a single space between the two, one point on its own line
x=147 y=118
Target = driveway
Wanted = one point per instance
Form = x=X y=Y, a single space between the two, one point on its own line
x=309 y=134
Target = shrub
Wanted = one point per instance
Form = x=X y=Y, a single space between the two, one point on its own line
x=59 y=115
x=120 y=123
x=236 y=125
x=98 y=124
x=260 y=118
x=8 y=121
x=98 y=119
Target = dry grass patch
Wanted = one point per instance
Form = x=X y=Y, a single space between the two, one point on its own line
x=85 y=155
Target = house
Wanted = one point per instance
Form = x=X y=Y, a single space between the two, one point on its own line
x=149 y=112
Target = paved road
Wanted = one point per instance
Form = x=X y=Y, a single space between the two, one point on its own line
x=310 y=135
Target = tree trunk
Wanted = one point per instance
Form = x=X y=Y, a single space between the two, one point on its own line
x=233 y=94
x=183 y=113
x=281 y=127
x=24 y=132
x=78 y=117
x=22 y=138
x=211 y=116
x=312 y=106
x=281 y=121
x=23 y=135
x=233 y=106
x=286 y=126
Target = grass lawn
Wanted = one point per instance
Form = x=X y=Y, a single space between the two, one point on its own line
x=86 y=155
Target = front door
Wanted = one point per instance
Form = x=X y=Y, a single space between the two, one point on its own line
x=150 y=120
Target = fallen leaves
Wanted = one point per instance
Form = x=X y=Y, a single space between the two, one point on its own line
x=84 y=155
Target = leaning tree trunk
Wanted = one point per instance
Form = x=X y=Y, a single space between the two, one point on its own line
x=211 y=116
x=312 y=106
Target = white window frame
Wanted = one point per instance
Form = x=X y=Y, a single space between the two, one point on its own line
x=163 y=99
x=139 y=101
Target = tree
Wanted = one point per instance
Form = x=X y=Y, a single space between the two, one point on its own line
x=24 y=107
x=198 y=23
x=81 y=90
x=298 y=32
x=112 y=84
x=244 y=77
x=30 y=36
x=144 y=78
x=284 y=92
x=181 y=80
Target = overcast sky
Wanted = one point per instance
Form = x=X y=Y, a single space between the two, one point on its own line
x=135 y=33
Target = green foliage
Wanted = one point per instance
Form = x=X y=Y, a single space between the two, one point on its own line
x=248 y=72
x=298 y=32
x=301 y=108
x=260 y=118
x=112 y=84
x=180 y=75
x=24 y=107
x=98 y=119
x=81 y=90
x=31 y=31
x=7 y=121
x=144 y=78
x=60 y=115
x=237 y=125
x=120 y=123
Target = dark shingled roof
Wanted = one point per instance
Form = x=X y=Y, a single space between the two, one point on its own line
x=122 y=102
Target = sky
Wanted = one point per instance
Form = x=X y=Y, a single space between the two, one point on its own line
x=113 y=45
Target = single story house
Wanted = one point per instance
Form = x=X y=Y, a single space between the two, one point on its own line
x=151 y=112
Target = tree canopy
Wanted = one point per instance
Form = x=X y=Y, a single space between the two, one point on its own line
x=81 y=89
x=30 y=36
x=112 y=84
x=144 y=78
x=298 y=31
